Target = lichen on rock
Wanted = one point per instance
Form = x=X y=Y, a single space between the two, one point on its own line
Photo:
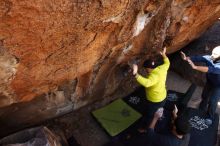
x=8 y=68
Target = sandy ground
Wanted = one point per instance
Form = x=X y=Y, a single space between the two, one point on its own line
x=87 y=131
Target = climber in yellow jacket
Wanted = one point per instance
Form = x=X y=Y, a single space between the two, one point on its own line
x=154 y=82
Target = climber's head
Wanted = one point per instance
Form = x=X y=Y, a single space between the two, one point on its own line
x=150 y=64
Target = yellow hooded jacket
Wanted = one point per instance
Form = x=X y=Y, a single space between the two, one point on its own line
x=155 y=82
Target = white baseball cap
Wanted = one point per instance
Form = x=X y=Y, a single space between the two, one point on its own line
x=216 y=52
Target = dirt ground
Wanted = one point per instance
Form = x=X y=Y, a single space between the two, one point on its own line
x=86 y=130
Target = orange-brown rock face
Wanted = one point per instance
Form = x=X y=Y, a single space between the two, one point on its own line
x=46 y=43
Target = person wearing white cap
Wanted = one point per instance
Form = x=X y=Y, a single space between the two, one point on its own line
x=211 y=91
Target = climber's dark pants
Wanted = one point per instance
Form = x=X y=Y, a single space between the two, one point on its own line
x=150 y=109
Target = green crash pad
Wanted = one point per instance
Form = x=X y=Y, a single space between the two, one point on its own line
x=116 y=117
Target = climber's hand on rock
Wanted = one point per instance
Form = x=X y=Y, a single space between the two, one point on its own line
x=163 y=53
x=135 y=69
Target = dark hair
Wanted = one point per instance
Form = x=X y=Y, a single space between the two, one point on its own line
x=153 y=63
x=182 y=125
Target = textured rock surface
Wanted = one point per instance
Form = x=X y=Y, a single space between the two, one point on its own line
x=60 y=55
x=89 y=42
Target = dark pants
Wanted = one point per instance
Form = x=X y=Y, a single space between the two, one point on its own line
x=184 y=99
x=150 y=109
x=210 y=97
